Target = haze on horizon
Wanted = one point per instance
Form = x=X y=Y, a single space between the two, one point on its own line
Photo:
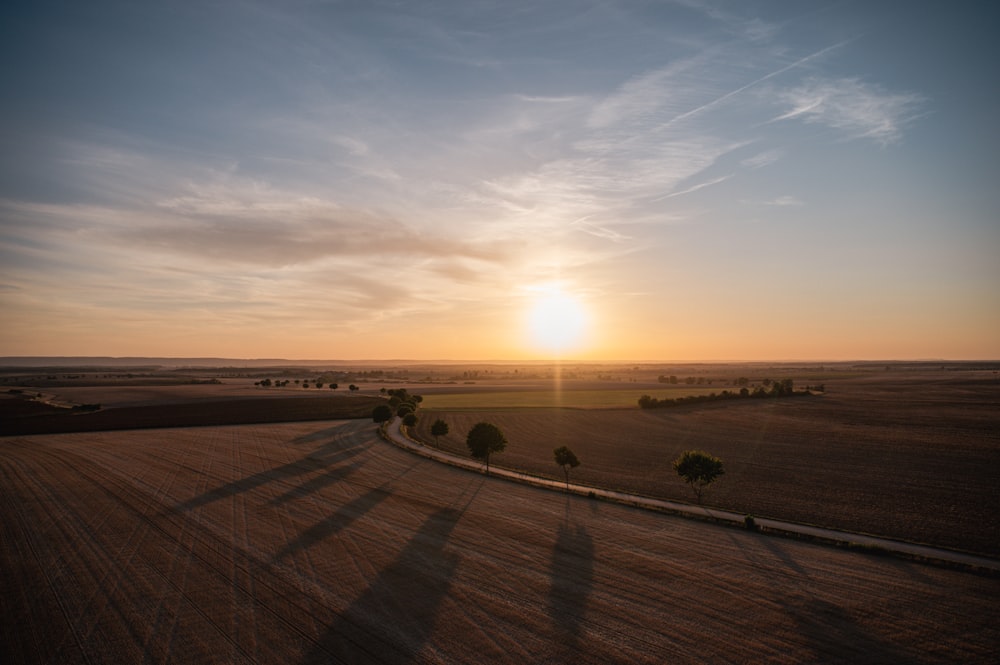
x=684 y=180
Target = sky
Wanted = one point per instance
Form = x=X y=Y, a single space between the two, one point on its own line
x=596 y=180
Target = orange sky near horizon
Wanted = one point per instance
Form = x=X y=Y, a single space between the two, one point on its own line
x=609 y=331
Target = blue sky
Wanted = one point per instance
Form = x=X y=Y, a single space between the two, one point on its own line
x=708 y=180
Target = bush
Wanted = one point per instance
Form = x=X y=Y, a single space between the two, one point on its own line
x=382 y=413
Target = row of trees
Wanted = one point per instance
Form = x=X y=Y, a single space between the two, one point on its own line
x=267 y=383
x=486 y=438
x=690 y=380
x=400 y=403
x=783 y=388
x=697 y=468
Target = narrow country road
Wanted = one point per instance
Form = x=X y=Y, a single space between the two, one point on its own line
x=396 y=435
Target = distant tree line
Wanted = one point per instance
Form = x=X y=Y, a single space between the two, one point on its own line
x=319 y=383
x=741 y=381
x=690 y=380
x=782 y=388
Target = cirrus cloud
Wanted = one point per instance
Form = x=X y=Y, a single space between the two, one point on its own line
x=859 y=109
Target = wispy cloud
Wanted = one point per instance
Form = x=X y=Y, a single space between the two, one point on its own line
x=756 y=82
x=694 y=188
x=755 y=29
x=762 y=159
x=780 y=202
x=858 y=109
x=273 y=232
x=600 y=231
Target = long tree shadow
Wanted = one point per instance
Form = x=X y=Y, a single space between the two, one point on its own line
x=781 y=553
x=335 y=523
x=392 y=619
x=345 y=515
x=333 y=452
x=316 y=483
x=571 y=572
x=319 y=435
x=837 y=638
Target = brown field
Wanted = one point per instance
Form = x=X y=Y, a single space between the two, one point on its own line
x=18 y=416
x=317 y=542
x=910 y=456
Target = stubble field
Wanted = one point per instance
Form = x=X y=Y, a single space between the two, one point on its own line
x=318 y=542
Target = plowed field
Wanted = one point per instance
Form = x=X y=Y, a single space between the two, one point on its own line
x=317 y=542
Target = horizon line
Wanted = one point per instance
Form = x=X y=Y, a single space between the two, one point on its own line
x=22 y=359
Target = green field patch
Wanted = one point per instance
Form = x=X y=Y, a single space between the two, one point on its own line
x=579 y=399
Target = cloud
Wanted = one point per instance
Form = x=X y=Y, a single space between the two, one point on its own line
x=273 y=230
x=626 y=150
x=756 y=82
x=653 y=96
x=320 y=265
x=763 y=159
x=754 y=29
x=782 y=201
x=694 y=188
x=600 y=231
x=849 y=105
x=785 y=201
x=354 y=146
x=548 y=100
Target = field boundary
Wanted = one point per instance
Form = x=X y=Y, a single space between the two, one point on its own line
x=393 y=433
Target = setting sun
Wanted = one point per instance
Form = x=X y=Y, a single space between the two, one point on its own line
x=557 y=321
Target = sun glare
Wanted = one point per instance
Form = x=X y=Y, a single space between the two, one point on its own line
x=557 y=322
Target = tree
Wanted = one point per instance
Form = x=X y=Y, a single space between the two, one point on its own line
x=410 y=419
x=484 y=439
x=404 y=409
x=698 y=469
x=439 y=428
x=567 y=459
x=382 y=413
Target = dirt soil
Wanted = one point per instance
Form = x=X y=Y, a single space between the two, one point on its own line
x=915 y=458
x=317 y=542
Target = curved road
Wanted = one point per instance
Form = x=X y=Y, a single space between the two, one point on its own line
x=395 y=434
